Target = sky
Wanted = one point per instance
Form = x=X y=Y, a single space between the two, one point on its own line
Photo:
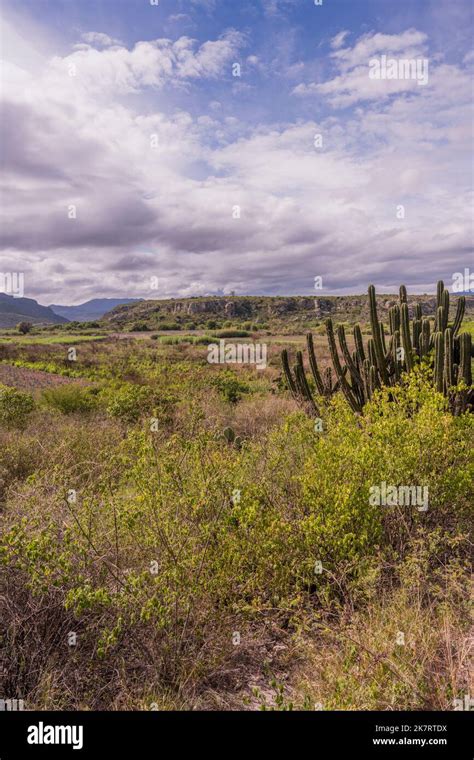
x=202 y=147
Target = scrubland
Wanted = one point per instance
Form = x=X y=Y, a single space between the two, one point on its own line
x=150 y=562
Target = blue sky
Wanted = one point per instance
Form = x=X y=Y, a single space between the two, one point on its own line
x=93 y=83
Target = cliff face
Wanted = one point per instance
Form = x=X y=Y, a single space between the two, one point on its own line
x=264 y=309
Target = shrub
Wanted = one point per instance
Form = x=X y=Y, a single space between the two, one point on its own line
x=24 y=327
x=230 y=387
x=70 y=398
x=178 y=540
x=130 y=402
x=170 y=326
x=140 y=327
x=15 y=407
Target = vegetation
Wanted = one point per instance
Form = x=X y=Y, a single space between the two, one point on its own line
x=182 y=535
x=24 y=327
x=15 y=407
x=366 y=369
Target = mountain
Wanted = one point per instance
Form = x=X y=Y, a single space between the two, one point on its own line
x=283 y=313
x=90 y=310
x=14 y=310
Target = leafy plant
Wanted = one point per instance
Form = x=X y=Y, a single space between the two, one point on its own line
x=130 y=402
x=70 y=398
x=15 y=407
x=230 y=387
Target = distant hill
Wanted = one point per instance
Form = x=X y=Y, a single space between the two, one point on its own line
x=283 y=313
x=14 y=310
x=90 y=310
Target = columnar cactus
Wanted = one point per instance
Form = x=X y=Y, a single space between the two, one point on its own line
x=385 y=358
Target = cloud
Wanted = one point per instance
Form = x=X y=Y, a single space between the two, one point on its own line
x=99 y=39
x=115 y=70
x=337 y=41
x=177 y=18
x=352 y=83
x=277 y=7
x=166 y=207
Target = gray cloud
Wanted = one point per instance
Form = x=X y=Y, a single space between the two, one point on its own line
x=146 y=211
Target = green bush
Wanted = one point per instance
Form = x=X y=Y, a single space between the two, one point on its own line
x=129 y=402
x=170 y=326
x=230 y=387
x=70 y=398
x=15 y=407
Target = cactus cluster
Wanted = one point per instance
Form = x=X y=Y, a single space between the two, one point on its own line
x=228 y=435
x=382 y=361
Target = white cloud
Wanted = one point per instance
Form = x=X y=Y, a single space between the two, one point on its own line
x=166 y=211
x=408 y=42
x=99 y=39
x=352 y=82
x=116 y=70
x=338 y=40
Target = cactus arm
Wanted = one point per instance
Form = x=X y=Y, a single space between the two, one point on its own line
x=382 y=339
x=394 y=319
x=425 y=337
x=439 y=362
x=314 y=366
x=289 y=377
x=417 y=327
x=359 y=343
x=354 y=372
x=439 y=293
x=448 y=359
x=460 y=309
x=465 y=372
x=395 y=359
x=379 y=351
x=371 y=352
x=445 y=305
x=303 y=383
x=373 y=380
x=406 y=340
x=344 y=385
